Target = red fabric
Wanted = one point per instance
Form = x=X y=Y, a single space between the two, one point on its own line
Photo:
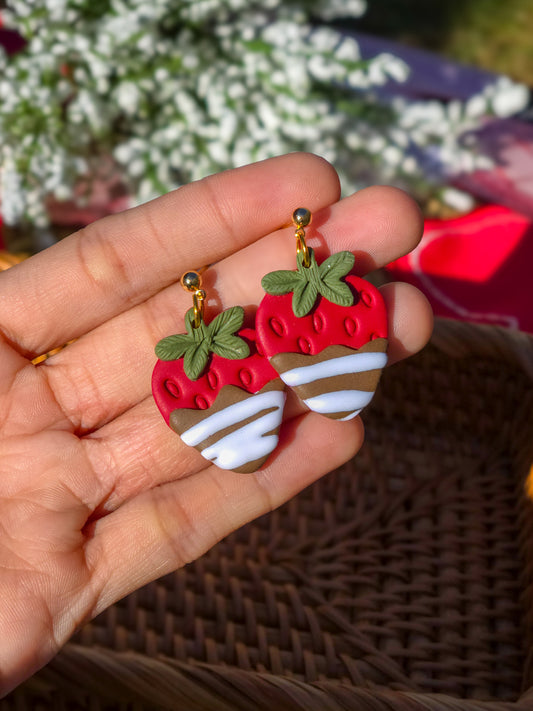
x=475 y=268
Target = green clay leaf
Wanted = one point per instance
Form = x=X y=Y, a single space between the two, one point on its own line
x=280 y=282
x=303 y=270
x=336 y=266
x=231 y=347
x=227 y=322
x=172 y=347
x=308 y=282
x=304 y=298
x=338 y=292
x=195 y=360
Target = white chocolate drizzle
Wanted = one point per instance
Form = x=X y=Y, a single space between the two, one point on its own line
x=246 y=444
x=351 y=401
x=354 y=363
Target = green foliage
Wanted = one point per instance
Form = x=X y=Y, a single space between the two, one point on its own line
x=490 y=34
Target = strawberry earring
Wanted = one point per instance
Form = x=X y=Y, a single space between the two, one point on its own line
x=324 y=329
x=216 y=390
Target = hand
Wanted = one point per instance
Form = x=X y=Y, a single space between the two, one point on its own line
x=97 y=495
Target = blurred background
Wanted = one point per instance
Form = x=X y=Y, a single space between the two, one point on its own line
x=109 y=103
x=488 y=34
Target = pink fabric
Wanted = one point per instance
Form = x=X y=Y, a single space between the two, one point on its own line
x=509 y=143
x=106 y=195
x=476 y=267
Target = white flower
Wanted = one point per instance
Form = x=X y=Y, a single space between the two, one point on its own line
x=217 y=152
x=321 y=68
x=353 y=140
x=127 y=95
x=324 y=39
x=409 y=165
x=458 y=199
x=146 y=191
x=348 y=50
x=394 y=67
x=177 y=89
x=137 y=167
x=454 y=110
x=509 y=98
x=376 y=143
x=228 y=127
x=358 y=79
x=392 y=155
x=63 y=192
x=476 y=106
x=123 y=153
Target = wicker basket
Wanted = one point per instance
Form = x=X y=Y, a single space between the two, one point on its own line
x=402 y=581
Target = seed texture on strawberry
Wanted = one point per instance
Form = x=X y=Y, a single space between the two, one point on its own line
x=324 y=330
x=218 y=392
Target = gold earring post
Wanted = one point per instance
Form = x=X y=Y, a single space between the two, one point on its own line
x=192 y=282
x=301 y=218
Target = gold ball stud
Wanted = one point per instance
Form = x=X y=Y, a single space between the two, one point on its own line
x=301 y=217
x=191 y=281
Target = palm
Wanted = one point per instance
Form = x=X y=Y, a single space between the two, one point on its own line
x=97 y=496
x=42 y=544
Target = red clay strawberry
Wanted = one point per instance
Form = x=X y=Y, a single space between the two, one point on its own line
x=218 y=392
x=325 y=332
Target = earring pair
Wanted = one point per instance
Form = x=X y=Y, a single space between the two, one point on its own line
x=320 y=330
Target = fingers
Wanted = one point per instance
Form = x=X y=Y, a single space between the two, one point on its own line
x=11 y=363
x=124 y=259
x=374 y=223
x=173 y=524
x=137 y=452
x=410 y=320
x=108 y=371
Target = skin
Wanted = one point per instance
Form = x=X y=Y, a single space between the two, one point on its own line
x=97 y=495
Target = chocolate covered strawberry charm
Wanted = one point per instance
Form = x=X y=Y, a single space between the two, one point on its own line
x=217 y=391
x=324 y=330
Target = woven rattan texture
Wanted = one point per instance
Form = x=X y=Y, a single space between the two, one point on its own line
x=404 y=574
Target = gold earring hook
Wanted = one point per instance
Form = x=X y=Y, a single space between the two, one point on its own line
x=301 y=218
x=192 y=282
